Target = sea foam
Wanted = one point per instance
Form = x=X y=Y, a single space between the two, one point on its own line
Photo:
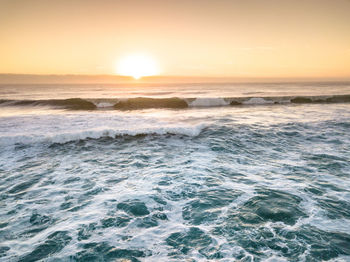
x=140 y=103
x=54 y=129
x=208 y=102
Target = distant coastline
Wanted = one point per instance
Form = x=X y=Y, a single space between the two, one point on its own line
x=115 y=79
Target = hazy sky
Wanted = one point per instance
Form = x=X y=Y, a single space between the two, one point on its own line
x=247 y=38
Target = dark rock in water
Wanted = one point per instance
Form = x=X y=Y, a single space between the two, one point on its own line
x=235 y=103
x=301 y=100
x=144 y=102
x=134 y=207
x=192 y=239
x=271 y=206
x=55 y=243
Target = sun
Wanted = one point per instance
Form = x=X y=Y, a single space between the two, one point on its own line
x=137 y=66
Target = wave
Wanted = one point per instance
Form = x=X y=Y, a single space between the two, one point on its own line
x=257 y=101
x=208 y=102
x=71 y=103
x=65 y=137
x=145 y=102
x=172 y=102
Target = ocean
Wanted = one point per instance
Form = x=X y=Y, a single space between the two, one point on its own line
x=175 y=172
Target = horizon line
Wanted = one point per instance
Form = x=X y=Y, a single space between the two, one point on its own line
x=27 y=78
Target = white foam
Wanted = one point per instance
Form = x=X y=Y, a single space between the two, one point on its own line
x=208 y=102
x=275 y=258
x=61 y=129
x=103 y=104
x=257 y=101
x=341 y=258
x=332 y=225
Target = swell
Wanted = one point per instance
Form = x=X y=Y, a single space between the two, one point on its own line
x=173 y=102
x=144 y=102
x=71 y=103
x=100 y=133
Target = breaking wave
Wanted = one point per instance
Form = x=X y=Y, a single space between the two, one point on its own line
x=172 y=103
x=208 y=102
x=98 y=133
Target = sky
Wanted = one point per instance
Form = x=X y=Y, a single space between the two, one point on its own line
x=229 y=38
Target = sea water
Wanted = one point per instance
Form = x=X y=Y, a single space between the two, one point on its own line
x=175 y=172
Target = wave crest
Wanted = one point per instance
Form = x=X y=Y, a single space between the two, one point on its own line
x=145 y=102
x=66 y=137
x=208 y=102
x=172 y=102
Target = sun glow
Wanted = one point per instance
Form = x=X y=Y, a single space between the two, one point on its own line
x=137 y=66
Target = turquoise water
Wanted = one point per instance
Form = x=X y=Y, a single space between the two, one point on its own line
x=253 y=182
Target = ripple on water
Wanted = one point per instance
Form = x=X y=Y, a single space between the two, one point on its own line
x=335 y=208
x=206 y=206
x=134 y=207
x=271 y=205
x=54 y=243
x=119 y=221
x=192 y=239
x=244 y=189
x=105 y=252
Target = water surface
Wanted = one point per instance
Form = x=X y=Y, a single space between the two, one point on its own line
x=255 y=181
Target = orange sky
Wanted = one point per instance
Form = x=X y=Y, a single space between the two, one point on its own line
x=247 y=38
